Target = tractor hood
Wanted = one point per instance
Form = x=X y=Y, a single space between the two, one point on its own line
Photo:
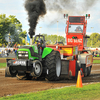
x=30 y=49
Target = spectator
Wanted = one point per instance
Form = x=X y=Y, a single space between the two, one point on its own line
x=5 y=52
x=9 y=51
x=16 y=51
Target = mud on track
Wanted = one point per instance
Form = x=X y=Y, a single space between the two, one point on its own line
x=10 y=86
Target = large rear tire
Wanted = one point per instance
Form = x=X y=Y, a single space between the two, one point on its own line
x=88 y=70
x=53 y=66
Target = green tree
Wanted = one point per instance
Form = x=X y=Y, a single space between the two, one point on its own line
x=11 y=25
x=4 y=26
x=97 y=44
x=23 y=34
x=94 y=40
x=19 y=37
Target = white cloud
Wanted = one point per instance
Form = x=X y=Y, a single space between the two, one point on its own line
x=88 y=33
x=2 y=1
x=98 y=20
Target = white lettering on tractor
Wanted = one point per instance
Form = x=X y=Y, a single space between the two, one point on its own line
x=70 y=40
x=19 y=63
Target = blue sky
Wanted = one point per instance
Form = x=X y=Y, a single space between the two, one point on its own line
x=49 y=21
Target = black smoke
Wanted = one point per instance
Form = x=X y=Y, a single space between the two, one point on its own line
x=35 y=9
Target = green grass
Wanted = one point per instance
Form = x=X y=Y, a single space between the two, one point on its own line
x=88 y=92
x=2 y=65
x=96 y=61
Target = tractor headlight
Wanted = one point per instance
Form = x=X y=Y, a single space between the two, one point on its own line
x=19 y=55
x=26 y=55
x=22 y=54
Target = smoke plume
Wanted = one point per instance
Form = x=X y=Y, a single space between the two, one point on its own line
x=70 y=7
x=59 y=5
x=35 y=9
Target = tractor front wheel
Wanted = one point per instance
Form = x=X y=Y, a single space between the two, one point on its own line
x=36 y=69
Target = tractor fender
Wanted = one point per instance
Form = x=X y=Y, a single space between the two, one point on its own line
x=46 y=51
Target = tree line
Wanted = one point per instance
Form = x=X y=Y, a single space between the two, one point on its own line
x=52 y=39
x=94 y=40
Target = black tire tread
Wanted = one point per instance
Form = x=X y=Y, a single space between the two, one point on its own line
x=50 y=63
x=88 y=70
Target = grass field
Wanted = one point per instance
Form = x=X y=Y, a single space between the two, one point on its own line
x=96 y=61
x=2 y=65
x=88 y=92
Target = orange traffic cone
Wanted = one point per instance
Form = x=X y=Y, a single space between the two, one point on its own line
x=79 y=80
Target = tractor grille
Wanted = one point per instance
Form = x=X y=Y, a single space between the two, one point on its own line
x=23 y=55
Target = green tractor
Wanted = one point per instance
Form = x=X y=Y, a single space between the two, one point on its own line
x=36 y=61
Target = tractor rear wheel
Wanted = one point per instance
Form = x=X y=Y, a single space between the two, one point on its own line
x=88 y=70
x=9 y=72
x=53 y=66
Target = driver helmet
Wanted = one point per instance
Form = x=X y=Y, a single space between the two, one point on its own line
x=40 y=40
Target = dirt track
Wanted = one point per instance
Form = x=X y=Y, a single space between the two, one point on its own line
x=10 y=86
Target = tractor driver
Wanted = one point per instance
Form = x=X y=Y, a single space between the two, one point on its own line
x=78 y=29
x=39 y=45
